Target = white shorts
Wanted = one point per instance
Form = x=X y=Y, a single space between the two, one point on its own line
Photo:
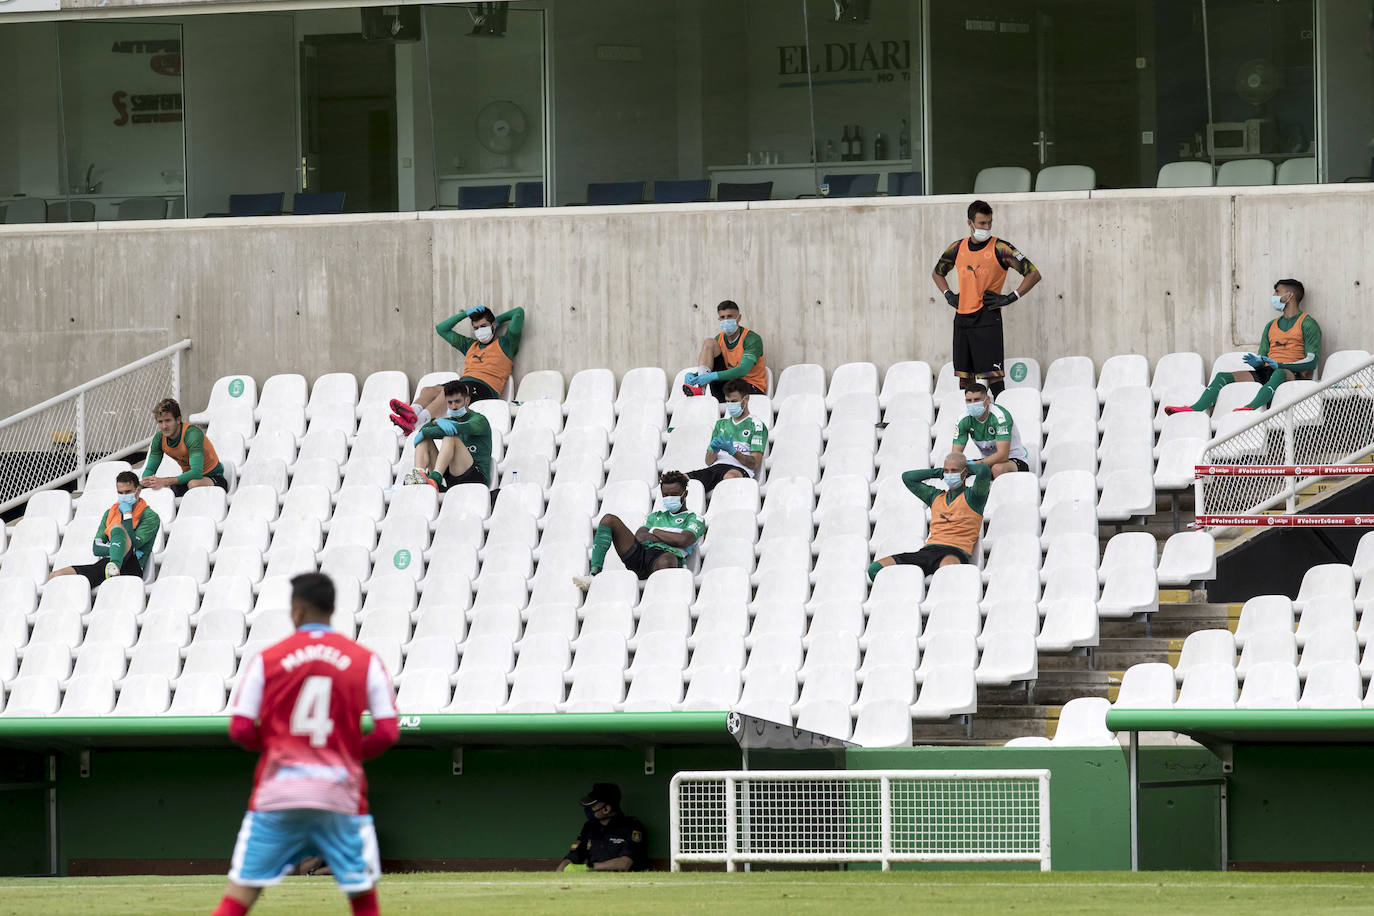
x=272 y=843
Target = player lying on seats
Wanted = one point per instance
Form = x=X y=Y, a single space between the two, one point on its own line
x=456 y=448
x=956 y=515
x=487 y=362
x=1289 y=348
x=662 y=542
x=737 y=441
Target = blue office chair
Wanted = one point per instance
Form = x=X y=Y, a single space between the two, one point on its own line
x=306 y=204
x=614 y=193
x=256 y=204
x=755 y=190
x=529 y=193
x=483 y=197
x=903 y=184
x=682 y=192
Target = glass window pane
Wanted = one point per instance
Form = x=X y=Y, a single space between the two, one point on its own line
x=486 y=79
x=1346 y=87
x=30 y=139
x=122 y=116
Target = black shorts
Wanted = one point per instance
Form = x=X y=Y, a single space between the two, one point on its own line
x=95 y=572
x=639 y=559
x=929 y=557
x=1020 y=465
x=978 y=342
x=714 y=474
x=180 y=489
x=1264 y=372
x=481 y=391
x=471 y=475
x=718 y=387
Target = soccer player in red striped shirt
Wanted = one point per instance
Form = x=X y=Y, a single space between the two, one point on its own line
x=300 y=704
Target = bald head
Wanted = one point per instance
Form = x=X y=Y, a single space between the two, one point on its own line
x=956 y=463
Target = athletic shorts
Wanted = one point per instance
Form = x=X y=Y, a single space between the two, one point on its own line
x=639 y=559
x=179 y=489
x=95 y=572
x=929 y=557
x=471 y=475
x=1264 y=372
x=718 y=386
x=1020 y=465
x=714 y=474
x=481 y=391
x=978 y=342
x=271 y=843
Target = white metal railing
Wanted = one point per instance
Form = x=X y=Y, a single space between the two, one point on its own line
x=1331 y=425
x=882 y=816
x=56 y=441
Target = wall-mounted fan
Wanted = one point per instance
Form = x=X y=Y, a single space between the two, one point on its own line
x=502 y=128
x=1257 y=81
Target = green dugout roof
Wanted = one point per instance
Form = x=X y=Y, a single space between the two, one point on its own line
x=1260 y=726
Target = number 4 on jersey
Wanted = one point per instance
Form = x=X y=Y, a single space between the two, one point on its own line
x=310 y=715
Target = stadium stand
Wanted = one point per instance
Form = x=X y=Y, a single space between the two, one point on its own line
x=467 y=595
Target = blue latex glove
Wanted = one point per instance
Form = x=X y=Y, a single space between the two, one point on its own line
x=450 y=427
x=1269 y=362
x=706 y=378
x=721 y=445
x=1252 y=360
x=474 y=310
x=690 y=379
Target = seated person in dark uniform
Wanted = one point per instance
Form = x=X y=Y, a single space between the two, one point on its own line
x=662 y=542
x=610 y=840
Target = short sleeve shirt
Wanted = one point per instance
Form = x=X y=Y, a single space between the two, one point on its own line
x=746 y=435
x=995 y=427
x=675 y=521
x=598 y=842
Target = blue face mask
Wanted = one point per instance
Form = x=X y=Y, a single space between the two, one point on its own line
x=1276 y=302
x=126 y=501
x=672 y=504
x=734 y=409
x=975 y=409
x=954 y=481
x=729 y=326
x=457 y=414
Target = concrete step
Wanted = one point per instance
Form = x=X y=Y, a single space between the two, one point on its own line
x=1118 y=654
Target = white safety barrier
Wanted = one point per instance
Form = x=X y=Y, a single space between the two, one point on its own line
x=885 y=816
x=1268 y=461
x=56 y=441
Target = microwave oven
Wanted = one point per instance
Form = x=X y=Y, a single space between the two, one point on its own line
x=1237 y=138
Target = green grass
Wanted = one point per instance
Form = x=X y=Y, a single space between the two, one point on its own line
x=708 y=892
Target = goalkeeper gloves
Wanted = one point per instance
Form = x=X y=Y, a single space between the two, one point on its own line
x=997 y=300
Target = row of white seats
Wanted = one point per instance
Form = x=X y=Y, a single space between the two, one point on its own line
x=1336 y=683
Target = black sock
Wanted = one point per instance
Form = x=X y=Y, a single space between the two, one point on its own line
x=996 y=388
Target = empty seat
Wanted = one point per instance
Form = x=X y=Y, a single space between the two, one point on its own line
x=1147 y=686
x=1332 y=685
x=1066 y=178
x=1271 y=685
x=143 y=695
x=1241 y=172
x=198 y=695
x=1206 y=647
x=1188 y=557
x=946 y=690
x=1267 y=647
x=1083 y=723
x=1001 y=180
x=1208 y=686
x=1187 y=174
x=1008 y=658
x=1327 y=579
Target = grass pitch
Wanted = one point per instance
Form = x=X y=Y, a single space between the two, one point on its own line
x=705 y=892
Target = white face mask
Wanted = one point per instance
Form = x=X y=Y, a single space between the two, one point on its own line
x=483 y=334
x=982 y=235
x=954 y=481
x=1276 y=302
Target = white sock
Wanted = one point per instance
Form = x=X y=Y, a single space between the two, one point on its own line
x=421 y=415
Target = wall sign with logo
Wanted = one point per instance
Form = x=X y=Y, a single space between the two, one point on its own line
x=851 y=62
x=164 y=59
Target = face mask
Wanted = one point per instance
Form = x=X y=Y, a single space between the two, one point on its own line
x=982 y=235
x=483 y=334
x=457 y=414
x=734 y=409
x=729 y=325
x=1276 y=302
x=975 y=409
x=672 y=504
x=954 y=481
x=126 y=501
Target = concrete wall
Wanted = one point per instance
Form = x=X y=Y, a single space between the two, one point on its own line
x=822 y=281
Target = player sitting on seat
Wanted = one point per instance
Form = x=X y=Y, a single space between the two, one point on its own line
x=188 y=447
x=1289 y=348
x=737 y=441
x=123 y=537
x=487 y=363
x=956 y=515
x=735 y=353
x=455 y=448
x=993 y=431
x=662 y=542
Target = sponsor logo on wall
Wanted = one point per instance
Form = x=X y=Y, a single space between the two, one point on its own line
x=164 y=59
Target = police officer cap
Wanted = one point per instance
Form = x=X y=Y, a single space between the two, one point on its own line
x=607 y=792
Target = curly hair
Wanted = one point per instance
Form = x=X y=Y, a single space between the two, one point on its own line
x=676 y=477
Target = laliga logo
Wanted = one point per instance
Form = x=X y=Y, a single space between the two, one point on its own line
x=1272 y=520
x=1306 y=470
x=1364 y=520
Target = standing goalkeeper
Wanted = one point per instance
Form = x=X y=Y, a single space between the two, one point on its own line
x=982 y=261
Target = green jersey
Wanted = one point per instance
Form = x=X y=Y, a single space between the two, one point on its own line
x=675 y=521
x=141 y=537
x=746 y=435
x=1311 y=340
x=995 y=426
x=473 y=430
x=195 y=454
